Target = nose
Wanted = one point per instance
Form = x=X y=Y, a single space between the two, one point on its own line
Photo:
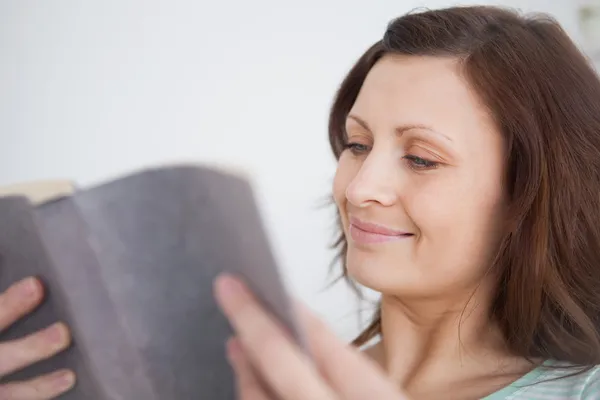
x=375 y=183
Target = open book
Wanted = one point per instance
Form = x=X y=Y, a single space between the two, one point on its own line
x=129 y=266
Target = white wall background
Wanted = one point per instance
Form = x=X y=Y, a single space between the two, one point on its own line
x=91 y=90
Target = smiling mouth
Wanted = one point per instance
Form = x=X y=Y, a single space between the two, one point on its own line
x=366 y=233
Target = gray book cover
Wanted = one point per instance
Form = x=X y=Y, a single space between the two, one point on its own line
x=129 y=266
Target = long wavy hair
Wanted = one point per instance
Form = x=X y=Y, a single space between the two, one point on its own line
x=545 y=98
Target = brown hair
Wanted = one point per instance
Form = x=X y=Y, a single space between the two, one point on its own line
x=545 y=99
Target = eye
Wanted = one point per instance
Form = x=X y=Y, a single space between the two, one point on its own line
x=357 y=148
x=419 y=163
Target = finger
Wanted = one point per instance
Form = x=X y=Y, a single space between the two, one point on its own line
x=248 y=386
x=45 y=387
x=279 y=362
x=351 y=374
x=19 y=353
x=19 y=300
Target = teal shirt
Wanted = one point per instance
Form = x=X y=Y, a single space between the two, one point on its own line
x=541 y=384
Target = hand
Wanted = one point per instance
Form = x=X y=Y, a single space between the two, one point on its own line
x=17 y=301
x=268 y=365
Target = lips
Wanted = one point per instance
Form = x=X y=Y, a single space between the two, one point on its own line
x=368 y=233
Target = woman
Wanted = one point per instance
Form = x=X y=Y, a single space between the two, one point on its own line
x=468 y=191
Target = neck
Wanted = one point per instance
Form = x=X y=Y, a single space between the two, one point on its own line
x=427 y=337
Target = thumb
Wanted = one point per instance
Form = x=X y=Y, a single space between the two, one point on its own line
x=352 y=374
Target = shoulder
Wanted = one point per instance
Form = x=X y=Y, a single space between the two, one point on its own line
x=591 y=386
x=568 y=383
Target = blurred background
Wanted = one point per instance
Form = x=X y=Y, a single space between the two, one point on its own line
x=90 y=91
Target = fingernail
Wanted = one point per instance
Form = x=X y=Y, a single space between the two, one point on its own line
x=65 y=380
x=28 y=287
x=57 y=333
x=228 y=287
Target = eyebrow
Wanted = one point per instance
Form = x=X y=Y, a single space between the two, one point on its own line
x=400 y=129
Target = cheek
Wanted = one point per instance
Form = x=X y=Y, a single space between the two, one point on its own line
x=460 y=221
x=455 y=201
x=433 y=202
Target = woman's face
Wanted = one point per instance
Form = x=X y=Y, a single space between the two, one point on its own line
x=420 y=185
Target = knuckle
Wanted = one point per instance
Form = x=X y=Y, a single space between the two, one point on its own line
x=25 y=351
x=11 y=356
x=271 y=349
x=15 y=391
x=266 y=340
x=261 y=333
x=32 y=345
x=39 y=388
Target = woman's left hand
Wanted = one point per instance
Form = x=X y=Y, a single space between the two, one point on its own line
x=269 y=365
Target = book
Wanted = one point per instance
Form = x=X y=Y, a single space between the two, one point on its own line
x=129 y=265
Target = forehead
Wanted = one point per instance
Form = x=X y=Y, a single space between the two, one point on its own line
x=422 y=90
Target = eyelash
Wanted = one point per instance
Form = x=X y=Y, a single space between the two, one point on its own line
x=415 y=162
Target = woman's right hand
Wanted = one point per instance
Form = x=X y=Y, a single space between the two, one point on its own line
x=16 y=302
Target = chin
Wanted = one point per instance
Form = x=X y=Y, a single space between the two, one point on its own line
x=396 y=276
x=382 y=276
